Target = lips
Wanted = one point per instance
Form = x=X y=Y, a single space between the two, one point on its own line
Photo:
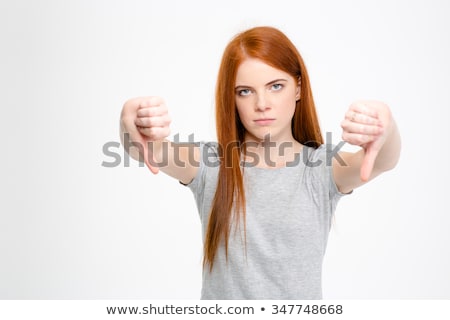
x=264 y=122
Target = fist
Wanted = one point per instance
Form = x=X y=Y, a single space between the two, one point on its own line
x=144 y=119
x=152 y=118
x=367 y=124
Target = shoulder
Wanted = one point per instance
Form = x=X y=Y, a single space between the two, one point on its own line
x=319 y=164
x=209 y=154
x=207 y=160
x=317 y=157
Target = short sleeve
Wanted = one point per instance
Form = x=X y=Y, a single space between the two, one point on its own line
x=204 y=184
x=320 y=163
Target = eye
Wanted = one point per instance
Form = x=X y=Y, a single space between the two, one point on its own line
x=244 y=92
x=276 y=87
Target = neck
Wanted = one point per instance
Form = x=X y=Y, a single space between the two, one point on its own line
x=270 y=153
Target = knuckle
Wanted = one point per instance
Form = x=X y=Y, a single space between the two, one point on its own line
x=147 y=112
x=150 y=132
x=140 y=122
x=156 y=132
x=155 y=101
x=348 y=114
x=167 y=132
x=145 y=103
x=355 y=106
x=140 y=112
x=151 y=122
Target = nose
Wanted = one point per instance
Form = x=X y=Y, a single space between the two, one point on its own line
x=261 y=102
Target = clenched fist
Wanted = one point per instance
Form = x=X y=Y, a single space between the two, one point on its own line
x=367 y=124
x=145 y=119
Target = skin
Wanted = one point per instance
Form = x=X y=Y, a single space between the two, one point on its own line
x=370 y=125
x=263 y=92
x=265 y=100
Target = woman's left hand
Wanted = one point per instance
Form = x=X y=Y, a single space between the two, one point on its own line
x=367 y=124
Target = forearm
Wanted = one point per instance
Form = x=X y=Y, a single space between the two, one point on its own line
x=178 y=160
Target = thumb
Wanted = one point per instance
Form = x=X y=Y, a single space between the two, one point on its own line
x=147 y=156
x=370 y=155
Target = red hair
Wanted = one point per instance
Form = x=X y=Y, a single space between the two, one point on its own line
x=272 y=47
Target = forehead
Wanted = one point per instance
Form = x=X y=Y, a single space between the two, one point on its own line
x=254 y=71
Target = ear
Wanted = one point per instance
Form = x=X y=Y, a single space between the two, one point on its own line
x=298 y=90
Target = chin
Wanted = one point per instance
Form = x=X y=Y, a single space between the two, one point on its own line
x=261 y=135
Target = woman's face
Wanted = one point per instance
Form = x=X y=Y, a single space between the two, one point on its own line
x=265 y=100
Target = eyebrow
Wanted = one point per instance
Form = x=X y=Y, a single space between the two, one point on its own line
x=267 y=84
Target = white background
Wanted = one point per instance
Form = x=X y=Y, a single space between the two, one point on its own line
x=73 y=229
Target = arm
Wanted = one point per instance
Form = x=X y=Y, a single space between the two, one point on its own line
x=144 y=126
x=368 y=124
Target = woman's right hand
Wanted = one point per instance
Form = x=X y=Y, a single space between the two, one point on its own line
x=152 y=118
x=145 y=119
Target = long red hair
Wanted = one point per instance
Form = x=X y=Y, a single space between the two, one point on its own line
x=274 y=48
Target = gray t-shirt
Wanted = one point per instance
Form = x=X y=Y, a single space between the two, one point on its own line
x=288 y=218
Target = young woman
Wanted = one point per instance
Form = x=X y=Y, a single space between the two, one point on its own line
x=267 y=190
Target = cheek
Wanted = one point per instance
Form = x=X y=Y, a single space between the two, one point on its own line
x=292 y=108
x=289 y=106
x=243 y=112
